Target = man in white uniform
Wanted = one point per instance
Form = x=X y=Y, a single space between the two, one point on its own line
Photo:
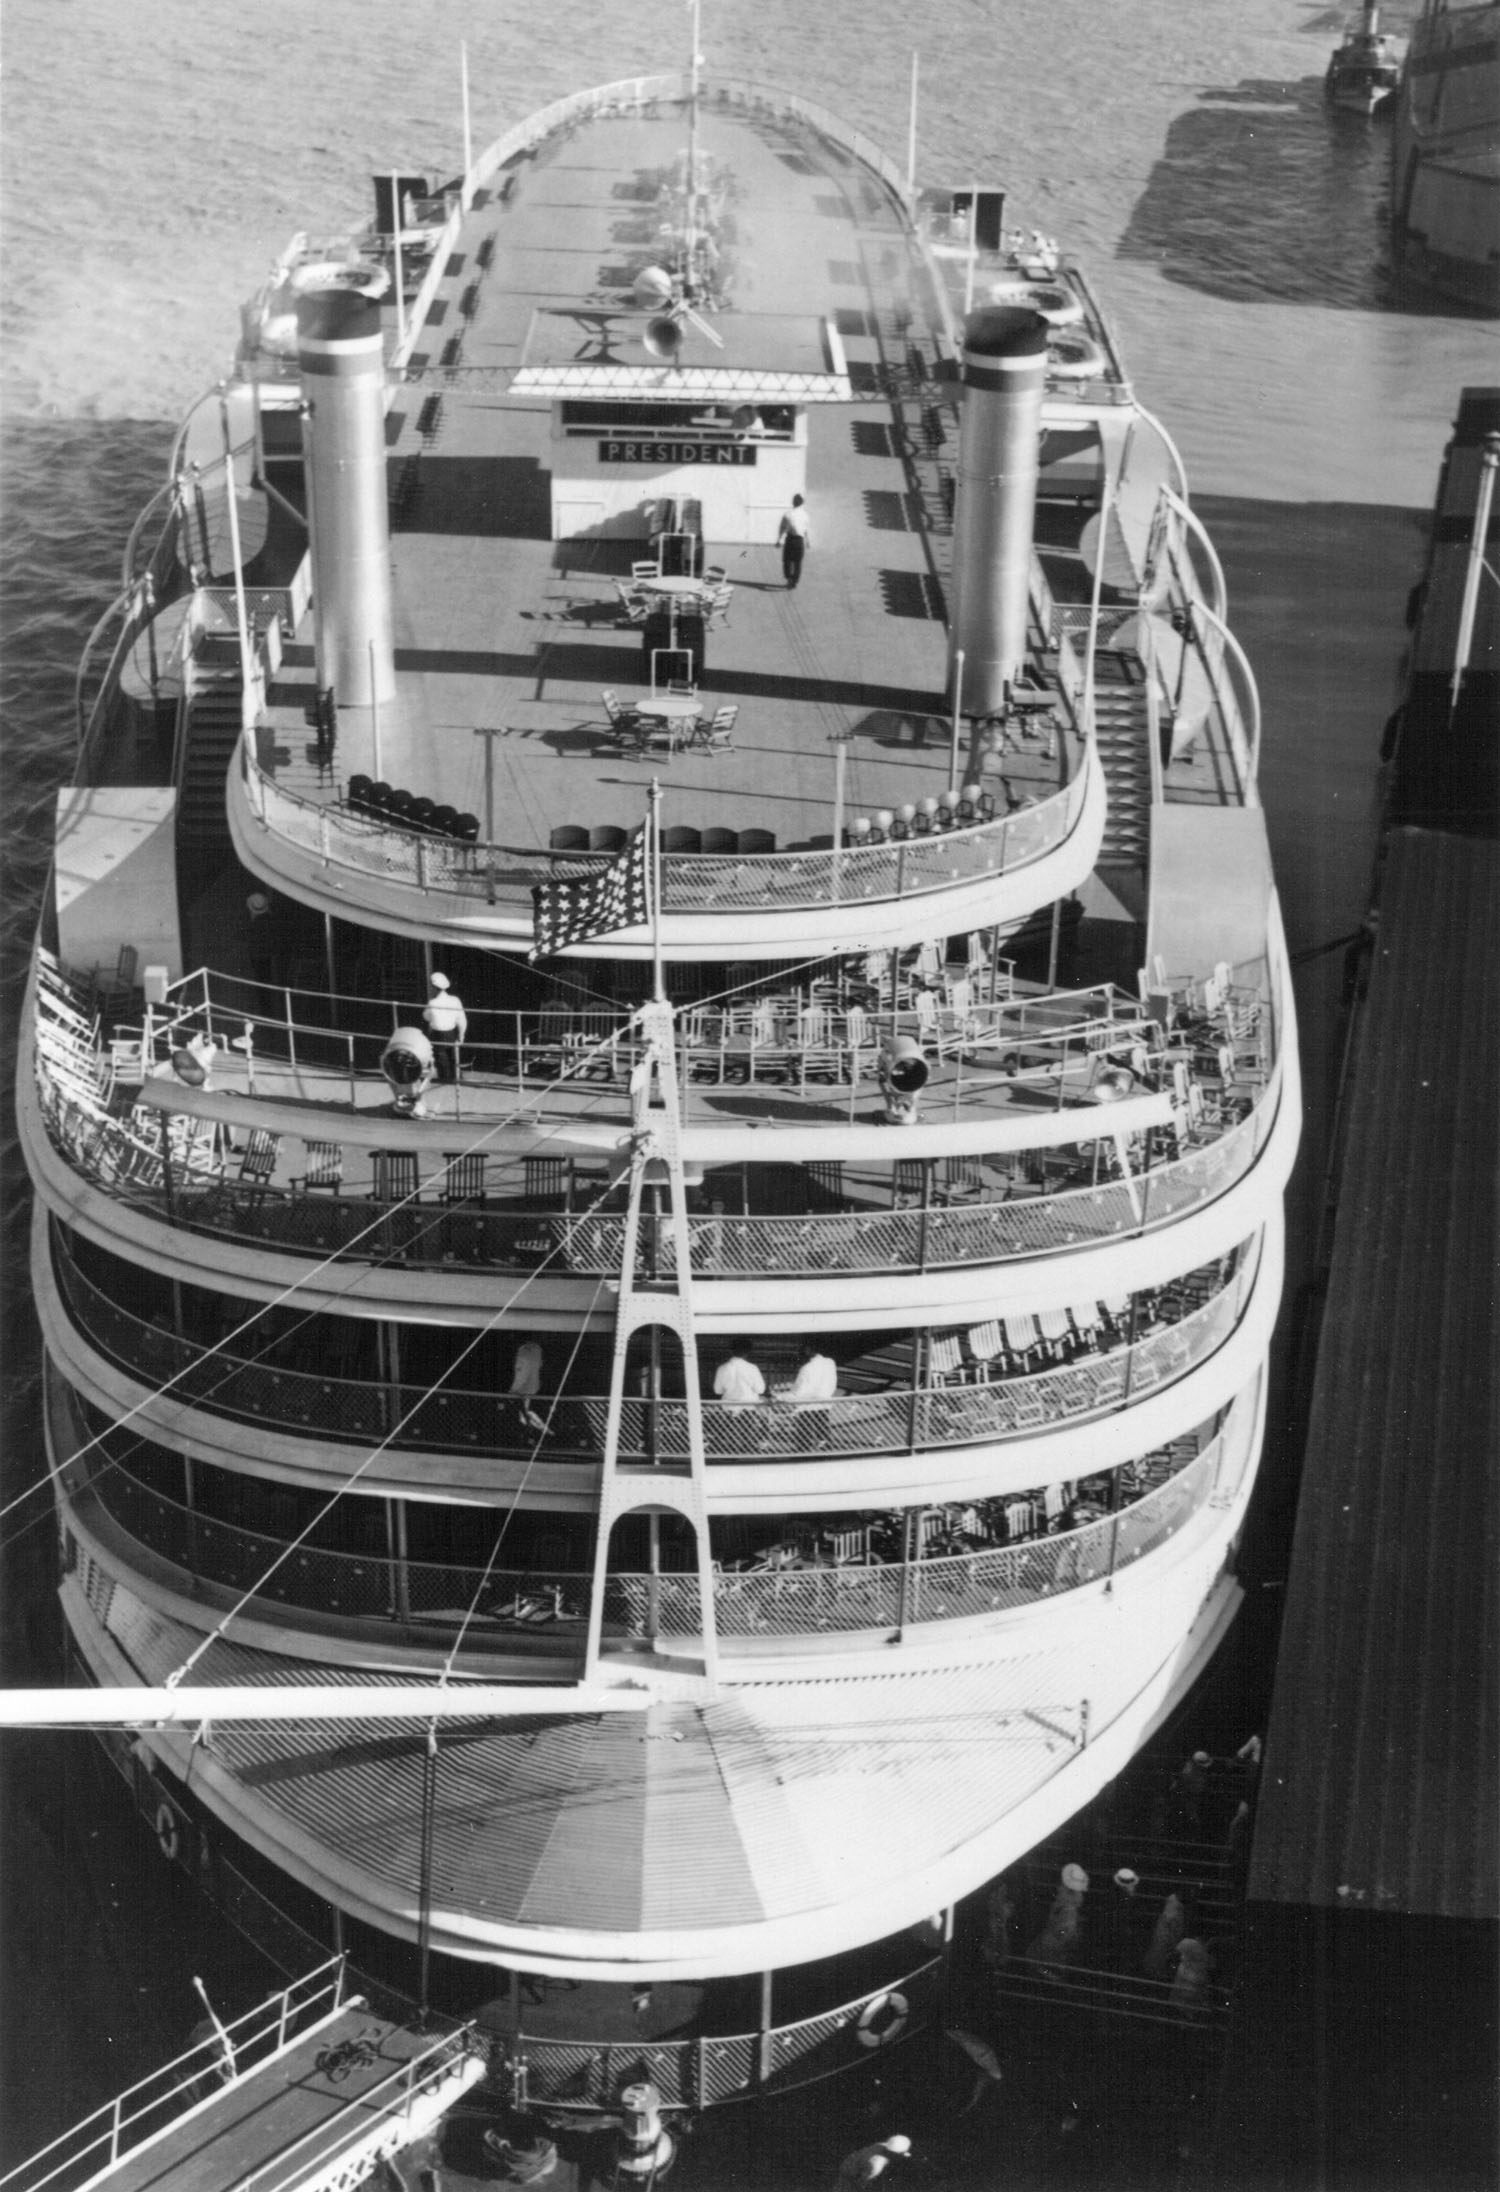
x=447 y=1024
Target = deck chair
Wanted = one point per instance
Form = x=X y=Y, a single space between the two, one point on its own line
x=635 y=606
x=115 y=991
x=986 y=1342
x=717 y=734
x=909 y=1181
x=963 y=1180
x=463 y=1179
x=1020 y=1518
x=395 y=1173
x=947 y=1360
x=546 y=1180
x=259 y=1161
x=849 y=1547
x=857 y=1039
x=817 y=1053
x=325 y=1167
x=395 y=1182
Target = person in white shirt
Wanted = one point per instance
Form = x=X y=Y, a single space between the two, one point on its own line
x=808 y=1395
x=737 y=1382
x=795 y=540
x=526 y=1383
x=447 y=1024
x=817 y=1379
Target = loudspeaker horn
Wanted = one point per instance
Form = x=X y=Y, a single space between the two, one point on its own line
x=663 y=337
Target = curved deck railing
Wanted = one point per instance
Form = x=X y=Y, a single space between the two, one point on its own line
x=692 y=882
x=875 y=1595
x=423 y=1418
x=829 y=1244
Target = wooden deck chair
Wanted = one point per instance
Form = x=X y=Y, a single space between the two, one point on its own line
x=463 y=1179
x=1056 y=1499
x=817 y=1053
x=963 y=1180
x=545 y=1180
x=259 y=1161
x=325 y=1168
x=986 y=1342
x=115 y=991
x=395 y=1175
x=396 y=1183
x=946 y=1359
x=717 y=735
x=849 y=1547
x=1020 y=1518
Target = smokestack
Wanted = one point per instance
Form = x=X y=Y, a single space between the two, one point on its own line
x=1005 y=374
x=343 y=384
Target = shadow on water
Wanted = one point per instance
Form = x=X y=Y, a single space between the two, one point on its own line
x=1265 y=194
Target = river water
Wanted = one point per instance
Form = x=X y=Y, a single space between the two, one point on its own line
x=155 y=160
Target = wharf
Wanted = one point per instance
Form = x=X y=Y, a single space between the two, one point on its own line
x=1371 y=1943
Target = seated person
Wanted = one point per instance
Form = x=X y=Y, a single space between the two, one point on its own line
x=737 y=1382
x=526 y=1383
x=817 y=1379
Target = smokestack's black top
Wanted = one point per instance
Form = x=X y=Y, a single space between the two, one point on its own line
x=1005 y=331
x=337 y=315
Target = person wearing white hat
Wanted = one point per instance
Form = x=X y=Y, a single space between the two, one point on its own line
x=1057 y=1943
x=447 y=1024
x=1185 y=1806
x=1125 y=1921
x=867 y=2164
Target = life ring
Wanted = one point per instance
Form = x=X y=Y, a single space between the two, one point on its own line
x=1074 y=358
x=1058 y=306
x=883 y=2019
x=168 y=1836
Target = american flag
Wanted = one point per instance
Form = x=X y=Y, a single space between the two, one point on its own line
x=586 y=906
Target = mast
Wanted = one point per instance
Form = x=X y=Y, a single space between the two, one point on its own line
x=662 y=1296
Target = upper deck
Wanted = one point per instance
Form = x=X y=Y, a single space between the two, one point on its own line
x=533 y=448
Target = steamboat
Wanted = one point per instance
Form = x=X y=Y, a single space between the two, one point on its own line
x=659 y=1073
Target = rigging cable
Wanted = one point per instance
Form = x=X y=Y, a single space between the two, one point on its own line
x=305 y=1279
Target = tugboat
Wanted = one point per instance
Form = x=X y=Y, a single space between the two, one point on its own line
x=660 y=1067
x=1365 y=70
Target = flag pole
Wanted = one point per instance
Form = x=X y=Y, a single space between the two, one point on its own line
x=653 y=870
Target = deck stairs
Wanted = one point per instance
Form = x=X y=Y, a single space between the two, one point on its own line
x=213 y=730
x=1123 y=731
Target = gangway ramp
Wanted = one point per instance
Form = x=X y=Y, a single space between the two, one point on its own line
x=321 y=2089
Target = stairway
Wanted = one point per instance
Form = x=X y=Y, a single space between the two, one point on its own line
x=213 y=730
x=1122 y=731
